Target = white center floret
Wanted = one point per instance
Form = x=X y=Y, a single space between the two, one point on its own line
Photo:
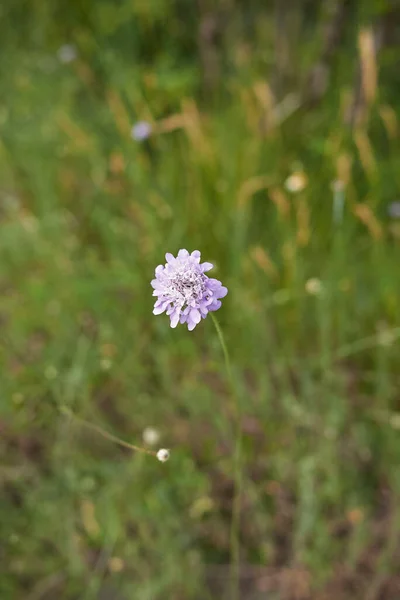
x=186 y=286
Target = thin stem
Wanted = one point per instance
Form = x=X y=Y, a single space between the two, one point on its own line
x=236 y=506
x=224 y=349
x=106 y=434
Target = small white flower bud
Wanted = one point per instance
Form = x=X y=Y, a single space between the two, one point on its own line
x=296 y=182
x=314 y=287
x=150 y=436
x=163 y=455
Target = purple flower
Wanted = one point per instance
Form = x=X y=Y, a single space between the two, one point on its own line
x=141 y=131
x=184 y=291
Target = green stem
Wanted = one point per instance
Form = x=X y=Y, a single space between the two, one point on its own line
x=224 y=349
x=105 y=434
x=236 y=505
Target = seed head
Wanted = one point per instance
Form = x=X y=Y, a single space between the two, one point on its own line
x=163 y=455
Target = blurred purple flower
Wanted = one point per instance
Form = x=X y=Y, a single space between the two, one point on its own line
x=394 y=210
x=184 y=291
x=141 y=131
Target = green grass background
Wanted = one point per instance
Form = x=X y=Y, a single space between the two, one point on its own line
x=87 y=213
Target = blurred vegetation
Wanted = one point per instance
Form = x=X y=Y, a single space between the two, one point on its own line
x=275 y=151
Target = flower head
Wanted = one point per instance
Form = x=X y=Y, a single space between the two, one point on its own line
x=184 y=291
x=141 y=131
x=163 y=455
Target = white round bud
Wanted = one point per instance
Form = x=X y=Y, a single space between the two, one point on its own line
x=296 y=182
x=314 y=286
x=150 y=436
x=163 y=455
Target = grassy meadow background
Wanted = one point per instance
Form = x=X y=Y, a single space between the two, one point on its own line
x=275 y=151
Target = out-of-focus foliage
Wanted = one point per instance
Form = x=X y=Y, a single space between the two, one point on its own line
x=274 y=149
